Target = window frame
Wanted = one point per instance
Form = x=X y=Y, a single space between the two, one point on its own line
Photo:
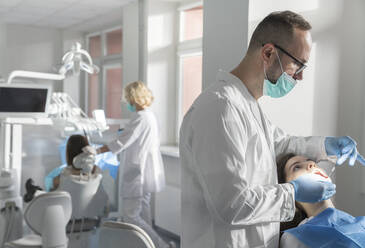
x=181 y=22
x=111 y=65
x=185 y=48
x=104 y=61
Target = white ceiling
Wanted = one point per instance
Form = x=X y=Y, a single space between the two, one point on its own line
x=69 y=14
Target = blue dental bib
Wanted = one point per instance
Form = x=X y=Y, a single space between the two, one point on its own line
x=332 y=228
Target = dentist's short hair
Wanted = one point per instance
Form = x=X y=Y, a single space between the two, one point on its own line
x=278 y=28
x=137 y=92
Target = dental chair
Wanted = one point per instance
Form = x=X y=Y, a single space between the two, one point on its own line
x=46 y=215
x=115 y=234
x=88 y=206
x=11 y=216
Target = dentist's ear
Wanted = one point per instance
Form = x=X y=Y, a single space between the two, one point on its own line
x=267 y=52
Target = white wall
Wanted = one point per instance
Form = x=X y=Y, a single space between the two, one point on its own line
x=130 y=42
x=161 y=64
x=162 y=34
x=32 y=48
x=39 y=49
x=2 y=49
x=224 y=36
x=167 y=202
x=351 y=115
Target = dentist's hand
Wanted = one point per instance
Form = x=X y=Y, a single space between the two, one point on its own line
x=85 y=162
x=89 y=150
x=343 y=148
x=308 y=189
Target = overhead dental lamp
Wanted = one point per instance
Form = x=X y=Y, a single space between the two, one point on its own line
x=73 y=60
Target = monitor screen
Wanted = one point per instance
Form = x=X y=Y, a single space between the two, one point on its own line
x=26 y=100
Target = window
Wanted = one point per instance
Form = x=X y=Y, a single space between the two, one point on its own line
x=93 y=90
x=190 y=64
x=114 y=42
x=191 y=70
x=114 y=89
x=192 y=23
x=95 y=46
x=104 y=90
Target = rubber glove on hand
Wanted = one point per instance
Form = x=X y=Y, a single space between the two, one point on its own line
x=85 y=162
x=343 y=148
x=308 y=189
x=89 y=149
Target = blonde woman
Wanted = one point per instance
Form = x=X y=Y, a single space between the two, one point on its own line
x=143 y=171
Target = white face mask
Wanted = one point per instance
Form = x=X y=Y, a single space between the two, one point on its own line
x=320 y=177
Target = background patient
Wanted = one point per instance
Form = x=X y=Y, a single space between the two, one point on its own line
x=75 y=144
x=320 y=224
x=83 y=180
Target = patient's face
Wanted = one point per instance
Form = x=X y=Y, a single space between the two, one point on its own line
x=299 y=165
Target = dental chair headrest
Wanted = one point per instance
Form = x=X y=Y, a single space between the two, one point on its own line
x=85 y=162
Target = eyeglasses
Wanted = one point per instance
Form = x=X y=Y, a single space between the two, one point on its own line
x=301 y=65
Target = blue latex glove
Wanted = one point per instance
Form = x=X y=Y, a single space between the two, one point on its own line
x=343 y=148
x=308 y=189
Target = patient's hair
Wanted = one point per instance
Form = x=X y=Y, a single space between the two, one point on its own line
x=137 y=92
x=74 y=147
x=299 y=212
x=277 y=28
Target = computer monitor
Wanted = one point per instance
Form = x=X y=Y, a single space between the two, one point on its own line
x=24 y=100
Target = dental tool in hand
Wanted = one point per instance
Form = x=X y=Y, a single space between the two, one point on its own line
x=332 y=171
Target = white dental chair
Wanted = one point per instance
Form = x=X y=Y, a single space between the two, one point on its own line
x=88 y=206
x=47 y=215
x=123 y=235
x=11 y=216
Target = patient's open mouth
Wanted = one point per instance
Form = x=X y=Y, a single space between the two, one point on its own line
x=319 y=173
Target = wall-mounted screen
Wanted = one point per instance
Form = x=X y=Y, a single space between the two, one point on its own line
x=24 y=100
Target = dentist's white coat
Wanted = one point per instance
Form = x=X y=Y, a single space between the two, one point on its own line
x=228 y=148
x=143 y=170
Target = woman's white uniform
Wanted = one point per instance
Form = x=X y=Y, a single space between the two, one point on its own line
x=143 y=171
x=228 y=149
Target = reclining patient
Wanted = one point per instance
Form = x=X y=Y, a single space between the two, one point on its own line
x=74 y=154
x=317 y=224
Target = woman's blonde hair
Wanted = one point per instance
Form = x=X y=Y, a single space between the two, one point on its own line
x=138 y=93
